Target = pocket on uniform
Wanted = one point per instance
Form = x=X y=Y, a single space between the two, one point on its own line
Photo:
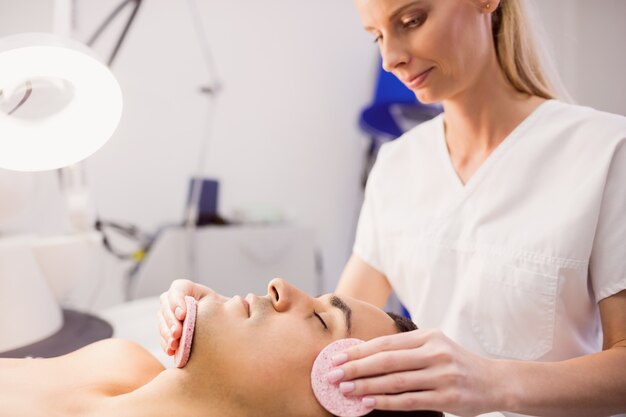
x=514 y=311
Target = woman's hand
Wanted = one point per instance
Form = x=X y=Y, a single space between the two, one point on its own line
x=419 y=370
x=173 y=310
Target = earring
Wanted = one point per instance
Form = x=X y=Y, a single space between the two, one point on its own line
x=487 y=6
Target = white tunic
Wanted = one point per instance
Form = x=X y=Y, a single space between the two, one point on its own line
x=512 y=264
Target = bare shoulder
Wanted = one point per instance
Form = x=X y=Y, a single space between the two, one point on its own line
x=71 y=384
x=116 y=366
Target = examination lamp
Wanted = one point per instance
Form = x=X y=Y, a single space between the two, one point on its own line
x=58 y=102
x=58 y=105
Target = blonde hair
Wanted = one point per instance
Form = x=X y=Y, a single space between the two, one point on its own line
x=524 y=61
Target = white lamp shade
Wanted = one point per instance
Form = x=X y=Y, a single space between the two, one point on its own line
x=58 y=102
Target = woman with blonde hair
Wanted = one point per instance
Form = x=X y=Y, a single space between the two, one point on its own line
x=499 y=223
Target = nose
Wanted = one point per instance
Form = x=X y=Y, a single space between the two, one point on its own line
x=393 y=53
x=285 y=296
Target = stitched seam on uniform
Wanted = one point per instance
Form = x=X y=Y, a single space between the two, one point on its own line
x=533 y=257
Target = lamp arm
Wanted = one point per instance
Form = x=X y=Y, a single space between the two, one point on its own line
x=28 y=91
x=108 y=21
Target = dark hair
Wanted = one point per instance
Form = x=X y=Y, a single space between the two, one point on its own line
x=403 y=324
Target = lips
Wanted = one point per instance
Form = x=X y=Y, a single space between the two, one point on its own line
x=246 y=305
x=419 y=79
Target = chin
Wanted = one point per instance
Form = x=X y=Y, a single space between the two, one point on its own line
x=427 y=97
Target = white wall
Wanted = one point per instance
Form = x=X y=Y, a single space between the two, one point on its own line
x=295 y=75
x=588 y=40
x=26 y=16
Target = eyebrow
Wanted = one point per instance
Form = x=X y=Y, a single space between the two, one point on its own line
x=337 y=302
x=397 y=12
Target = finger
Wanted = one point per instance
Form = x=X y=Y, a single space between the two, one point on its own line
x=166 y=338
x=168 y=351
x=175 y=298
x=182 y=287
x=165 y=347
x=169 y=344
x=167 y=310
x=172 y=335
x=384 y=363
x=164 y=331
x=409 y=401
x=406 y=340
x=174 y=343
x=392 y=383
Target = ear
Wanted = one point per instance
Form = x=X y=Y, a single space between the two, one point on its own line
x=489 y=6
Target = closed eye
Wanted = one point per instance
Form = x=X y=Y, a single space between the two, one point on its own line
x=321 y=320
x=413 y=22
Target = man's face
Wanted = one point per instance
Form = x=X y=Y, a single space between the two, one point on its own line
x=265 y=345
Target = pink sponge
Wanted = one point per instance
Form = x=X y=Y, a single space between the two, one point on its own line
x=327 y=393
x=184 y=349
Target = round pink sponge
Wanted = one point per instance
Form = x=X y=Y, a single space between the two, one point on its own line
x=327 y=393
x=184 y=348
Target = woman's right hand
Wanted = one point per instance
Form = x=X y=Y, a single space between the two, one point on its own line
x=173 y=310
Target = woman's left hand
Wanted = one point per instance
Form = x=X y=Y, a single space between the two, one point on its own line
x=420 y=370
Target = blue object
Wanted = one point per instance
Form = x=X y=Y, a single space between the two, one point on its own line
x=393 y=100
x=394 y=111
x=391 y=90
x=209 y=191
x=405 y=312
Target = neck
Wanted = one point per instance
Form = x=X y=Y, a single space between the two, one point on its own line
x=479 y=118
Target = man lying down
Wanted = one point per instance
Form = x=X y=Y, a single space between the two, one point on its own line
x=249 y=359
